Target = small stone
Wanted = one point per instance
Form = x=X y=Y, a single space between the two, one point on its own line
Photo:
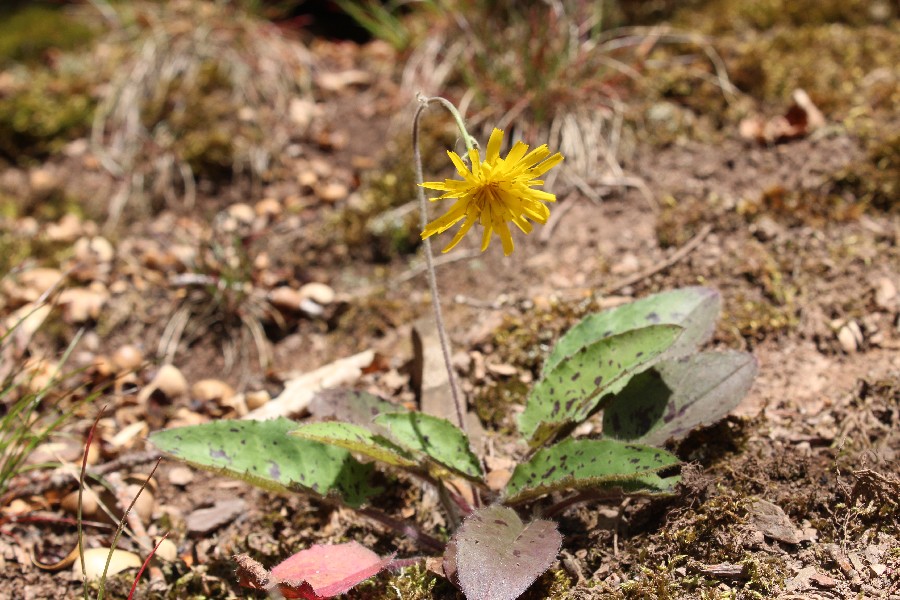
x=211 y=390
x=319 y=293
x=170 y=382
x=497 y=480
x=885 y=294
x=257 y=399
x=766 y=229
x=181 y=476
x=83 y=304
x=850 y=337
x=307 y=179
x=32 y=284
x=503 y=369
x=302 y=111
x=823 y=581
x=165 y=550
x=332 y=192
x=95 y=250
x=285 y=298
x=772 y=521
x=268 y=208
x=127 y=358
x=205 y=520
x=67 y=229
x=243 y=213
x=43 y=182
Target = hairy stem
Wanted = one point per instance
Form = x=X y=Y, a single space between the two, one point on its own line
x=458 y=401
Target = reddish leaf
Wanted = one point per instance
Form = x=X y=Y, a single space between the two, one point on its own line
x=326 y=571
x=496 y=556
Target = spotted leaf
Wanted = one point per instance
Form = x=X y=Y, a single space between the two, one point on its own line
x=673 y=397
x=261 y=453
x=438 y=439
x=356 y=438
x=694 y=308
x=583 y=464
x=570 y=392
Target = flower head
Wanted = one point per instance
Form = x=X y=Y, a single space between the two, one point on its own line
x=495 y=192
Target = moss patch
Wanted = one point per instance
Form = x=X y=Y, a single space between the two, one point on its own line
x=27 y=33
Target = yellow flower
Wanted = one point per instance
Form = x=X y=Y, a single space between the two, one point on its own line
x=495 y=192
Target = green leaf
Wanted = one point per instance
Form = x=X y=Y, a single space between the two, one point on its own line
x=356 y=438
x=350 y=406
x=582 y=464
x=438 y=439
x=263 y=454
x=574 y=388
x=695 y=309
x=674 y=397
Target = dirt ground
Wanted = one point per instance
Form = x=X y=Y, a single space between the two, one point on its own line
x=809 y=282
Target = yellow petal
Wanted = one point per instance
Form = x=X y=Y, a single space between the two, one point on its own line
x=493 y=147
x=463 y=230
x=546 y=165
x=458 y=163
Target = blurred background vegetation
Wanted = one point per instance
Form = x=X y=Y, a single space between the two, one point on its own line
x=176 y=94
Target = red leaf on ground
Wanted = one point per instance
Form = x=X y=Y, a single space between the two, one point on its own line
x=326 y=571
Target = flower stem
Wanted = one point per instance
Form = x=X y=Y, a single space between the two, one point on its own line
x=458 y=401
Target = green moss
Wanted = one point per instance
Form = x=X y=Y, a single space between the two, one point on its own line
x=411 y=583
x=41 y=114
x=28 y=32
x=552 y=585
x=493 y=399
x=717 y=16
x=875 y=181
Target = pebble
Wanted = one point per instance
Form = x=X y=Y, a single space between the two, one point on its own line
x=181 y=476
x=127 y=357
x=43 y=182
x=211 y=390
x=332 y=192
x=95 y=249
x=285 y=298
x=885 y=294
x=850 y=337
x=170 y=382
x=243 y=213
x=268 y=208
x=95 y=561
x=319 y=293
x=67 y=229
x=205 y=520
x=83 y=304
x=257 y=399
x=307 y=179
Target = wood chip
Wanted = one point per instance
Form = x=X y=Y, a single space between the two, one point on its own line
x=298 y=392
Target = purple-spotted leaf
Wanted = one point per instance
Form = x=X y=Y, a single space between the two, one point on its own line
x=356 y=438
x=674 y=397
x=584 y=464
x=494 y=556
x=574 y=388
x=694 y=308
x=263 y=454
x=350 y=406
x=441 y=441
x=321 y=571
